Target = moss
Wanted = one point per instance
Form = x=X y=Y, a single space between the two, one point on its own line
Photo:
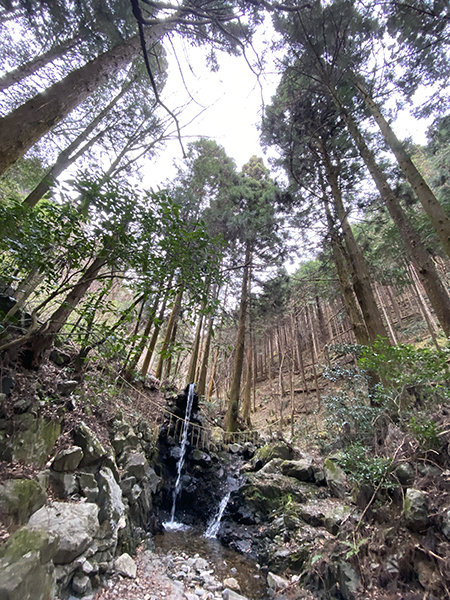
x=20 y=498
x=275 y=450
x=36 y=440
x=23 y=541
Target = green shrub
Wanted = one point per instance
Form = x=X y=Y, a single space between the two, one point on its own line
x=364 y=468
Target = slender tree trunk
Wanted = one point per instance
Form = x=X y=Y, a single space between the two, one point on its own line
x=173 y=319
x=439 y=219
x=43 y=338
x=195 y=351
x=231 y=417
x=168 y=362
x=23 y=127
x=69 y=155
x=144 y=338
x=36 y=63
x=423 y=308
x=212 y=377
x=420 y=257
x=247 y=402
x=201 y=387
x=360 y=271
x=154 y=339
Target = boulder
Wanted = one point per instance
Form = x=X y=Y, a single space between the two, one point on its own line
x=109 y=500
x=66 y=387
x=335 y=478
x=93 y=450
x=275 y=450
x=67 y=459
x=34 y=439
x=232 y=584
x=405 y=474
x=27 y=571
x=63 y=484
x=349 y=581
x=75 y=525
x=416 y=510
x=299 y=469
x=20 y=498
x=81 y=584
x=125 y=565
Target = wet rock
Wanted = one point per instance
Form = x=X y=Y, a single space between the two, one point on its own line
x=93 y=450
x=20 y=498
x=74 y=524
x=276 y=583
x=25 y=566
x=416 y=510
x=68 y=459
x=405 y=474
x=336 y=478
x=299 y=469
x=125 y=565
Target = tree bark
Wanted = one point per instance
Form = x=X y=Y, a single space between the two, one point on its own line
x=420 y=257
x=154 y=339
x=173 y=319
x=201 y=387
x=23 y=127
x=247 y=402
x=36 y=63
x=69 y=154
x=195 y=351
x=231 y=417
x=434 y=210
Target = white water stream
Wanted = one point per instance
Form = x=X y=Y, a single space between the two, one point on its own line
x=213 y=527
x=172 y=524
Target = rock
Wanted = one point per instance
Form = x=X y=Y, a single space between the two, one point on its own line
x=34 y=439
x=110 y=500
x=234 y=448
x=20 y=498
x=136 y=465
x=125 y=565
x=349 y=581
x=299 y=469
x=81 y=584
x=88 y=486
x=7 y=385
x=66 y=387
x=93 y=450
x=276 y=450
x=446 y=524
x=415 y=510
x=118 y=442
x=23 y=405
x=336 y=478
x=59 y=357
x=276 y=583
x=63 y=484
x=232 y=584
x=202 y=458
x=27 y=572
x=405 y=474
x=273 y=466
x=75 y=525
x=67 y=459
x=228 y=594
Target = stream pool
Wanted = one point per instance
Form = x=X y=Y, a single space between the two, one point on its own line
x=224 y=561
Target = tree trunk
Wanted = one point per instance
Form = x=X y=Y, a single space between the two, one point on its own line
x=43 y=339
x=247 y=402
x=69 y=154
x=36 y=63
x=429 y=202
x=420 y=257
x=194 y=354
x=231 y=417
x=201 y=387
x=360 y=270
x=211 y=384
x=173 y=319
x=154 y=339
x=23 y=127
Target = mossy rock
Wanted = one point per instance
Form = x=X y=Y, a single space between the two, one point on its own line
x=274 y=450
x=20 y=498
x=29 y=540
x=34 y=439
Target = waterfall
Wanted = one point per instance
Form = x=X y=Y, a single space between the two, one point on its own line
x=213 y=527
x=180 y=464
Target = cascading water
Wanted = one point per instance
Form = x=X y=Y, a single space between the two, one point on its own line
x=213 y=527
x=172 y=524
